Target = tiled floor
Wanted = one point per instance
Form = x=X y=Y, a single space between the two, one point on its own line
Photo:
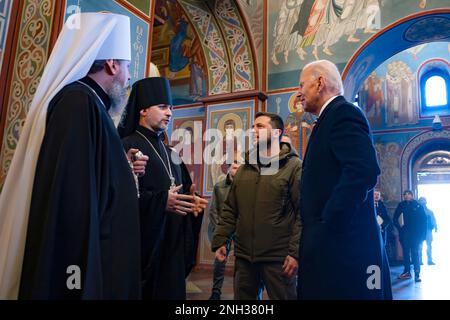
x=435 y=284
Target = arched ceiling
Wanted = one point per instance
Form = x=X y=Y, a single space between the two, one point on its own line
x=423 y=27
x=228 y=53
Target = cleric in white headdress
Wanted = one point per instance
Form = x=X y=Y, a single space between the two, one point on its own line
x=69 y=225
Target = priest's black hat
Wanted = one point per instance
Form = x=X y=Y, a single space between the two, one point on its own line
x=145 y=93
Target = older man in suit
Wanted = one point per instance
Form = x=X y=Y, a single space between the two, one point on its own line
x=341 y=251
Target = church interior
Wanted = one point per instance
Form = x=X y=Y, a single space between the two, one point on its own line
x=226 y=60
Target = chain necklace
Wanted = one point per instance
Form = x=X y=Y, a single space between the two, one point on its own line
x=167 y=167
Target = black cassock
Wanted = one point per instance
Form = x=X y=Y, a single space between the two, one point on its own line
x=84 y=210
x=169 y=241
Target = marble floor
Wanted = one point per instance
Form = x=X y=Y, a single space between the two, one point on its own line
x=435 y=284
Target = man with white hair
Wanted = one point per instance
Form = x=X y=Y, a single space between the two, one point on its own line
x=341 y=251
x=74 y=231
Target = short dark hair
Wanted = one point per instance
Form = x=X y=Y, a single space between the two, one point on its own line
x=408 y=192
x=275 y=120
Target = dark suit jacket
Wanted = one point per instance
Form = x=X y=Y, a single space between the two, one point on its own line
x=341 y=251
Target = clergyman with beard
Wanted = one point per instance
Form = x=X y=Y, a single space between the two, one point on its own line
x=82 y=236
x=168 y=205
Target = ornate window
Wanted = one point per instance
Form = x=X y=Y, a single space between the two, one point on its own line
x=434 y=80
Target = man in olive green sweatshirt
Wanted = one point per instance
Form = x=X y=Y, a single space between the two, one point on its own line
x=261 y=212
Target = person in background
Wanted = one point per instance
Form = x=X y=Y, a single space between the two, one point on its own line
x=431 y=225
x=383 y=219
x=220 y=194
x=411 y=221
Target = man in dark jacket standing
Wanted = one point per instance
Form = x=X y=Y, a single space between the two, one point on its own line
x=341 y=251
x=411 y=221
x=220 y=194
x=168 y=206
x=261 y=210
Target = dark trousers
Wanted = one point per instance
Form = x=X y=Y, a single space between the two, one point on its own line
x=250 y=279
x=411 y=254
x=218 y=276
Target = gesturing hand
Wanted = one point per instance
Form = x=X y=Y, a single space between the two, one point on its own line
x=200 y=203
x=179 y=203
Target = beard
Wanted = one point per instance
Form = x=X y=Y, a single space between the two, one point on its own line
x=119 y=97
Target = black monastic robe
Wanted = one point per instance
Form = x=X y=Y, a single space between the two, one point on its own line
x=168 y=240
x=84 y=208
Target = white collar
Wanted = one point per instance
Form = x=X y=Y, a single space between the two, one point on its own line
x=326 y=104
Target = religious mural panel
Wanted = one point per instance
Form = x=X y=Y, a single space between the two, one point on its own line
x=389 y=148
x=183 y=62
x=301 y=31
x=232 y=121
x=192 y=120
x=390 y=96
x=297 y=122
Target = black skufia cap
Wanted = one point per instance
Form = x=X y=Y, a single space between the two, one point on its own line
x=144 y=94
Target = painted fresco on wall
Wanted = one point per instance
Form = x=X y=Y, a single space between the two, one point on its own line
x=253 y=11
x=196 y=127
x=5 y=10
x=178 y=53
x=389 y=148
x=372 y=98
x=301 y=31
x=28 y=65
x=139 y=31
x=205 y=253
x=193 y=120
x=389 y=162
x=390 y=95
x=401 y=95
x=297 y=122
x=229 y=119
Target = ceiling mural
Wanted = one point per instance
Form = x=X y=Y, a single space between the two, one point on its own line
x=178 y=52
x=301 y=31
x=253 y=12
x=203 y=48
x=238 y=45
x=390 y=95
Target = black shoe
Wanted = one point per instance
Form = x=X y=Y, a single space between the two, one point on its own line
x=214 y=296
x=417 y=279
x=431 y=263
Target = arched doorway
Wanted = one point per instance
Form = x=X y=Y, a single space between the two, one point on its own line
x=430 y=173
x=425 y=169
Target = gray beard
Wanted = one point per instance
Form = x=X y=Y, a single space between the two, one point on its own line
x=119 y=98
